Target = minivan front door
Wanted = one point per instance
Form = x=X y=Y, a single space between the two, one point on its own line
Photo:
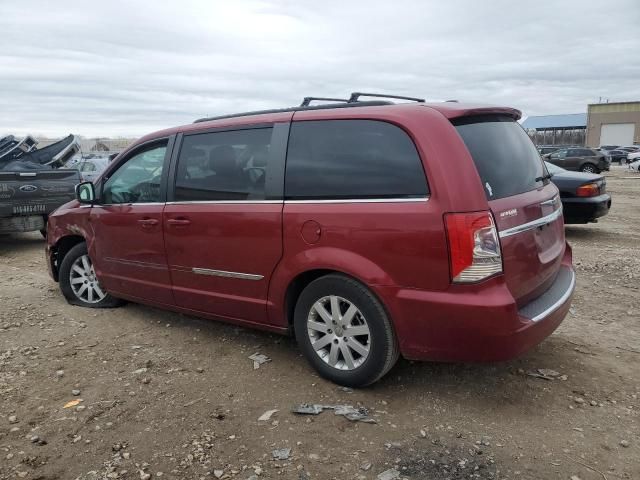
x=128 y=245
x=223 y=227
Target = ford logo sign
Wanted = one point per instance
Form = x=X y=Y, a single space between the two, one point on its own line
x=28 y=188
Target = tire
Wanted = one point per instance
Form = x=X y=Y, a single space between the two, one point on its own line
x=72 y=280
x=344 y=356
x=589 y=168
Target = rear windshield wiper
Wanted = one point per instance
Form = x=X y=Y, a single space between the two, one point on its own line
x=544 y=177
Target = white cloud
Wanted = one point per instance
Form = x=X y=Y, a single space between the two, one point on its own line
x=127 y=68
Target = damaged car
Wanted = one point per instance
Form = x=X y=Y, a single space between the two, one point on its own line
x=367 y=229
x=31 y=183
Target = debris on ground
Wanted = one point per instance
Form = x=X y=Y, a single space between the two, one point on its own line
x=72 y=403
x=308 y=409
x=546 y=374
x=281 y=453
x=350 y=412
x=390 y=474
x=267 y=415
x=258 y=359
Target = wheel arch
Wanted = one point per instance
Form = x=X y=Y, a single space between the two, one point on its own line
x=60 y=250
x=303 y=279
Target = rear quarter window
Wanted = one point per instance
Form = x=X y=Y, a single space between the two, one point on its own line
x=352 y=159
x=507 y=161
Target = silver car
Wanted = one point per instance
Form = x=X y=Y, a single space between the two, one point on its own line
x=91 y=168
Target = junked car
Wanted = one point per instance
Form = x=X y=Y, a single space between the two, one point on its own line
x=367 y=229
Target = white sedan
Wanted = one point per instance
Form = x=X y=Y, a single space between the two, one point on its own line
x=635 y=165
x=633 y=156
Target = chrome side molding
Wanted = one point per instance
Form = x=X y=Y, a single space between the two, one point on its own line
x=222 y=273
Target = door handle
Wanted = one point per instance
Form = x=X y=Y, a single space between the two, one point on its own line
x=179 y=222
x=148 y=222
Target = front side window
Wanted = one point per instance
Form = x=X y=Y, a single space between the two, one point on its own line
x=352 y=159
x=228 y=165
x=138 y=179
x=559 y=154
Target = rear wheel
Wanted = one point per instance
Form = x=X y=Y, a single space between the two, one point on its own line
x=589 y=168
x=78 y=281
x=344 y=331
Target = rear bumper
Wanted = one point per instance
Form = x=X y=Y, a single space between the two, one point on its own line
x=478 y=324
x=584 y=210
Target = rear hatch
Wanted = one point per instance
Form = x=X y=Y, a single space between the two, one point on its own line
x=525 y=204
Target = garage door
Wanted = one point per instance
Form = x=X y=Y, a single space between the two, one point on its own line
x=617 y=134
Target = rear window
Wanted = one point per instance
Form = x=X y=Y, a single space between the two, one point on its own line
x=352 y=159
x=506 y=159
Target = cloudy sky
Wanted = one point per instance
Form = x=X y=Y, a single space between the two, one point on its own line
x=101 y=68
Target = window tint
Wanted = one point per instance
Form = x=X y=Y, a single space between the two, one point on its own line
x=351 y=159
x=138 y=179
x=506 y=159
x=587 y=153
x=223 y=165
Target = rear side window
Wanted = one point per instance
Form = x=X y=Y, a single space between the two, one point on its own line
x=506 y=159
x=352 y=159
x=228 y=165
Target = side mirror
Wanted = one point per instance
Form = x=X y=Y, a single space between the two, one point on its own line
x=86 y=193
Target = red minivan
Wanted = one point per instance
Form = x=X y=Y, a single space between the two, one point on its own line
x=369 y=229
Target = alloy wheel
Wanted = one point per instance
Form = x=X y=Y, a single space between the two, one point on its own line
x=84 y=282
x=338 y=332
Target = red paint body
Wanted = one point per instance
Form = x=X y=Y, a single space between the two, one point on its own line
x=399 y=250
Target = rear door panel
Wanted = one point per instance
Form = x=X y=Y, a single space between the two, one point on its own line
x=222 y=252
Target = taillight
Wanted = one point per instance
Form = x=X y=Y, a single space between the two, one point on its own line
x=588 y=190
x=474 y=247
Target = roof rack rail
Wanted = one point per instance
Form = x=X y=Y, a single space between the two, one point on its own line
x=307 y=100
x=356 y=95
x=370 y=103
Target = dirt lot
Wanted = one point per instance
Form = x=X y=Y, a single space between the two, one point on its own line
x=165 y=395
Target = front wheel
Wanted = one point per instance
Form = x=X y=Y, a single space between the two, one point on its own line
x=78 y=281
x=344 y=331
x=589 y=168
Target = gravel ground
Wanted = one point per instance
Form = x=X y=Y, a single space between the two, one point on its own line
x=151 y=394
